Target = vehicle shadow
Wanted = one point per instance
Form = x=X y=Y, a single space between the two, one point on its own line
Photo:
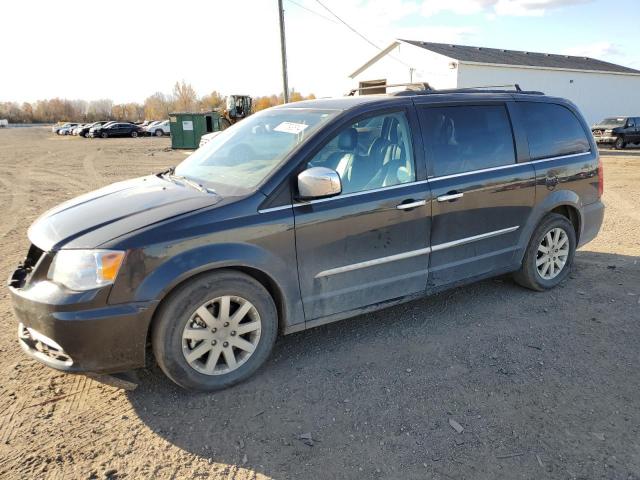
x=370 y=397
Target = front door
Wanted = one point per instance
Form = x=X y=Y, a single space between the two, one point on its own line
x=370 y=243
x=482 y=198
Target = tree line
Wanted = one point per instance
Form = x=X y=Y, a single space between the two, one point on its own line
x=155 y=107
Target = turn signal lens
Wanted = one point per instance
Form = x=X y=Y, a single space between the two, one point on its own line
x=109 y=265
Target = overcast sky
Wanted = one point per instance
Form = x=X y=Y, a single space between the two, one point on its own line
x=126 y=50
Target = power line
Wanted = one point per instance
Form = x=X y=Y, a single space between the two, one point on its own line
x=313 y=11
x=348 y=26
x=357 y=32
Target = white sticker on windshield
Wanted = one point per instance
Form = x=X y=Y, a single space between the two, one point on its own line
x=290 y=127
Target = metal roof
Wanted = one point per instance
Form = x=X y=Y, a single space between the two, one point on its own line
x=498 y=56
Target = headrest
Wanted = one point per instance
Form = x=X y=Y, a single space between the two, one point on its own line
x=348 y=140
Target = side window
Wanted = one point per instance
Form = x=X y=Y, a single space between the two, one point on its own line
x=466 y=138
x=372 y=153
x=553 y=130
x=631 y=122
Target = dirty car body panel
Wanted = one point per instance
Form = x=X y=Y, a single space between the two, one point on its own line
x=321 y=260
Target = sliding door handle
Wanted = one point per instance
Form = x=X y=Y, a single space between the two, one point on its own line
x=449 y=197
x=409 y=205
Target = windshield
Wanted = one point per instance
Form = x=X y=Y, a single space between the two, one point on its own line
x=613 y=122
x=242 y=156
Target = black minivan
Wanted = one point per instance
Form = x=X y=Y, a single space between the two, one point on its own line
x=304 y=214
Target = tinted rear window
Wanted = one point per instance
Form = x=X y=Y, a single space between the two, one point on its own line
x=466 y=138
x=553 y=130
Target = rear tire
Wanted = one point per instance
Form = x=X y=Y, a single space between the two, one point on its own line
x=549 y=255
x=159 y=133
x=134 y=134
x=104 y=135
x=193 y=324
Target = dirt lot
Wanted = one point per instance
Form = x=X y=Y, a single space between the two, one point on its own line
x=545 y=385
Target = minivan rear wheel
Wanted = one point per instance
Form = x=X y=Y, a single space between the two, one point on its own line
x=214 y=331
x=549 y=255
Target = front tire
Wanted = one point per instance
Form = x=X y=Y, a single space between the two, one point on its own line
x=619 y=143
x=549 y=255
x=214 y=331
x=134 y=134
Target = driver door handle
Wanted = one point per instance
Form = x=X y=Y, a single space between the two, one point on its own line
x=449 y=197
x=410 y=205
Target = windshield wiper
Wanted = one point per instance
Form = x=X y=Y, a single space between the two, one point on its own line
x=169 y=174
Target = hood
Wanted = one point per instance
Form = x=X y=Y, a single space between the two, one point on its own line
x=96 y=217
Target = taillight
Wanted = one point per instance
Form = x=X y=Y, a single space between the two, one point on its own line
x=600 y=177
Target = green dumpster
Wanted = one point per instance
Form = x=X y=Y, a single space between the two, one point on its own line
x=188 y=127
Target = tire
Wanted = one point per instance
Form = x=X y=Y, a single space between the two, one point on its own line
x=104 y=135
x=158 y=133
x=134 y=134
x=619 y=143
x=530 y=274
x=178 y=315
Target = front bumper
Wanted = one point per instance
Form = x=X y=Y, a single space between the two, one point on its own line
x=80 y=331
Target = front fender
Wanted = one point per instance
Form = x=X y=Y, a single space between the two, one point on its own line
x=179 y=267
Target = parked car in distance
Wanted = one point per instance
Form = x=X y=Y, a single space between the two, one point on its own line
x=77 y=128
x=93 y=130
x=305 y=214
x=4 y=123
x=158 y=129
x=56 y=128
x=617 y=131
x=84 y=131
x=117 y=129
x=68 y=129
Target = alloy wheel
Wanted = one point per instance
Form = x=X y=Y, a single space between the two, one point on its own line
x=553 y=253
x=221 y=335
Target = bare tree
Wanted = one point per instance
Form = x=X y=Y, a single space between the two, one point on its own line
x=184 y=97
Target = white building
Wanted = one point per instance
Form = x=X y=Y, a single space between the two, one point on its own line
x=600 y=89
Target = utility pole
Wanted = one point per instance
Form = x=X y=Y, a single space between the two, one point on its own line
x=283 y=48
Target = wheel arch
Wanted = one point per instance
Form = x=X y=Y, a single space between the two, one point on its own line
x=563 y=202
x=262 y=277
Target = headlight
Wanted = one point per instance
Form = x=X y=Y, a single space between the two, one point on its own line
x=85 y=269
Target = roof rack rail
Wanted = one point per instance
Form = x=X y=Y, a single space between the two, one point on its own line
x=479 y=89
x=412 y=87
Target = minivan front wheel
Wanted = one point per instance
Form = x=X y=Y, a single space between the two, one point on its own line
x=549 y=255
x=214 y=331
x=619 y=143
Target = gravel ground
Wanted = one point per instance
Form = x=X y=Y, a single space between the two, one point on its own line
x=541 y=385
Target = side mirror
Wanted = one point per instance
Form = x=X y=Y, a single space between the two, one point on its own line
x=318 y=182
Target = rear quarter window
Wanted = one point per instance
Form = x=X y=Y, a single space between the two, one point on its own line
x=553 y=130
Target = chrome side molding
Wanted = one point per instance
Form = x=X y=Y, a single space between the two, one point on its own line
x=413 y=253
